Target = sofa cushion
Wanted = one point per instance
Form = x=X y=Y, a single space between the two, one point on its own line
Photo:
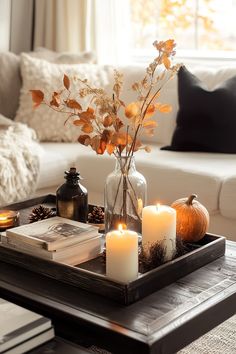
x=206 y=119
x=170 y=175
x=228 y=196
x=48 y=77
x=63 y=57
x=10 y=84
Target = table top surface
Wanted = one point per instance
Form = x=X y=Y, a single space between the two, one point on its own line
x=162 y=322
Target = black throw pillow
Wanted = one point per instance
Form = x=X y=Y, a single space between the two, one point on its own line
x=206 y=120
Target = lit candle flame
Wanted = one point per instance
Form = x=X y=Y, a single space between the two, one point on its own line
x=158 y=206
x=120 y=227
x=2 y=218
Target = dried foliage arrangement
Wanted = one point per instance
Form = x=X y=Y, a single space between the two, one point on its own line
x=108 y=124
x=100 y=124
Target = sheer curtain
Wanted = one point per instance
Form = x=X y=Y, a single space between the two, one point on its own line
x=102 y=26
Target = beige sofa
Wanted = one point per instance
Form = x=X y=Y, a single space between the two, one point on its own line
x=170 y=175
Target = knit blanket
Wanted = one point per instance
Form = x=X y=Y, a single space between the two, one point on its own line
x=19 y=161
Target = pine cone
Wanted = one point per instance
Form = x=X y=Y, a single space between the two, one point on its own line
x=96 y=216
x=40 y=213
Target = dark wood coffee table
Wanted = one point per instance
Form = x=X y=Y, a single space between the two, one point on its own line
x=163 y=322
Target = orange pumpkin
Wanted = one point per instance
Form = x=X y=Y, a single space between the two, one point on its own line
x=192 y=219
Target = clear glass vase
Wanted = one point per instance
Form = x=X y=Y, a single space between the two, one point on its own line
x=125 y=196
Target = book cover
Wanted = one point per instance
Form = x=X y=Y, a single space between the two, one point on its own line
x=18 y=324
x=72 y=255
x=53 y=233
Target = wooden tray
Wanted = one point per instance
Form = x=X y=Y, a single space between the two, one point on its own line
x=91 y=276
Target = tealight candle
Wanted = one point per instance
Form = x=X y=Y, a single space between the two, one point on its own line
x=122 y=255
x=159 y=225
x=8 y=218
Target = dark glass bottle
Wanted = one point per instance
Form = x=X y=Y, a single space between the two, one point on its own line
x=72 y=198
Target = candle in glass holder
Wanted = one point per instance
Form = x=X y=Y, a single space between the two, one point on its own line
x=122 y=255
x=8 y=218
x=159 y=225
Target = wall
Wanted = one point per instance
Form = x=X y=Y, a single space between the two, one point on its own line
x=16 y=23
x=5 y=21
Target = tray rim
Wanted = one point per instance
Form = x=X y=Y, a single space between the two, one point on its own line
x=124 y=292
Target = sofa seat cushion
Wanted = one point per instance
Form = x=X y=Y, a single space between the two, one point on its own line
x=228 y=197
x=170 y=175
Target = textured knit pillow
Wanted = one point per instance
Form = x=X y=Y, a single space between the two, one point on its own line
x=206 y=120
x=48 y=77
x=63 y=57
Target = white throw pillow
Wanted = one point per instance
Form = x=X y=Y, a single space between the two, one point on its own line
x=63 y=57
x=48 y=77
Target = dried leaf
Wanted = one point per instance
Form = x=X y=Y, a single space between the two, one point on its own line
x=164 y=108
x=87 y=128
x=72 y=103
x=66 y=82
x=55 y=99
x=132 y=109
x=121 y=138
x=87 y=115
x=106 y=135
x=150 y=124
x=37 y=97
x=95 y=142
x=166 y=61
x=150 y=111
x=110 y=148
x=118 y=124
x=78 y=122
x=148 y=149
x=107 y=121
x=84 y=140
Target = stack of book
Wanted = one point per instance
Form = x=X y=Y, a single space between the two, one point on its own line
x=21 y=329
x=58 y=239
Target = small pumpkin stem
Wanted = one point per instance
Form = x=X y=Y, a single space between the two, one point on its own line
x=190 y=199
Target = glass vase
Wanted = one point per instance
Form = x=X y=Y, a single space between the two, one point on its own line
x=125 y=196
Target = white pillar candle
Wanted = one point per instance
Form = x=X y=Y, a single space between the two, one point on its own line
x=122 y=255
x=159 y=225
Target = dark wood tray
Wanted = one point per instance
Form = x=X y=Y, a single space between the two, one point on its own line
x=91 y=276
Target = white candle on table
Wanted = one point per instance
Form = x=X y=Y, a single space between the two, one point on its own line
x=122 y=255
x=159 y=225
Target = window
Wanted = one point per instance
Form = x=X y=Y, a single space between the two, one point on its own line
x=201 y=28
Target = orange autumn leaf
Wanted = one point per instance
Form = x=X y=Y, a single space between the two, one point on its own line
x=87 y=128
x=110 y=148
x=95 y=142
x=150 y=124
x=166 y=61
x=90 y=110
x=84 y=139
x=164 y=108
x=106 y=135
x=121 y=138
x=66 y=82
x=87 y=115
x=132 y=110
x=78 y=122
x=71 y=103
x=150 y=111
x=107 y=121
x=55 y=99
x=37 y=97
